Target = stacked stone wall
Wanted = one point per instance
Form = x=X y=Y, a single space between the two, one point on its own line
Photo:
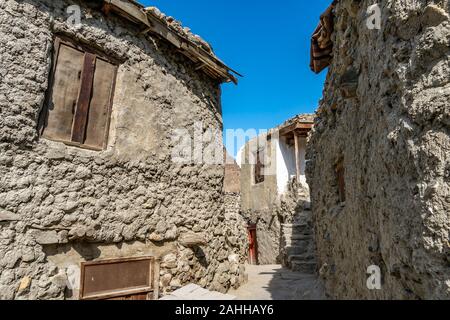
x=61 y=205
x=385 y=115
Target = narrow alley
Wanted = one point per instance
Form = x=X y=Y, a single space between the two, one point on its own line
x=137 y=164
x=274 y=282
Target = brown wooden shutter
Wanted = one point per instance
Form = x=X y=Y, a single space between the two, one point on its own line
x=102 y=91
x=64 y=95
x=78 y=109
x=84 y=98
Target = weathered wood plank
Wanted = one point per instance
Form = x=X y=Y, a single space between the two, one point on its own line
x=132 y=10
x=64 y=94
x=296 y=126
x=99 y=109
x=81 y=114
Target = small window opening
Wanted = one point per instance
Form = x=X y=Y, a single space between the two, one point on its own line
x=259 y=167
x=78 y=105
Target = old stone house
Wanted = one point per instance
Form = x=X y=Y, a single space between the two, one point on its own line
x=379 y=153
x=275 y=196
x=88 y=190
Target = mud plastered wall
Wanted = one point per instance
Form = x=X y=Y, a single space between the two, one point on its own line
x=235 y=230
x=61 y=205
x=259 y=202
x=385 y=112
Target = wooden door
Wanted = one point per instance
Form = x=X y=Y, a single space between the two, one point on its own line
x=253 y=245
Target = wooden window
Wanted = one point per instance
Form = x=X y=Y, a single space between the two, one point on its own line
x=340 y=176
x=120 y=279
x=259 y=167
x=79 y=100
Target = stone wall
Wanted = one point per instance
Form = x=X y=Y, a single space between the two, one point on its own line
x=235 y=227
x=235 y=231
x=386 y=114
x=61 y=205
x=232 y=181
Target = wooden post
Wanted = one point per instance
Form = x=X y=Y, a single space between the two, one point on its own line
x=297 y=158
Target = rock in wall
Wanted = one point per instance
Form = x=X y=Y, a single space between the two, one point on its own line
x=385 y=114
x=61 y=205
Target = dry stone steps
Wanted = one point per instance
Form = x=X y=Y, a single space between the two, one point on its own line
x=298 y=242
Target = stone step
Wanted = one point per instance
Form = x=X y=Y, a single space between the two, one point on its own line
x=308 y=248
x=293 y=225
x=290 y=233
x=297 y=229
x=306 y=257
x=291 y=237
x=296 y=250
x=305 y=267
x=305 y=243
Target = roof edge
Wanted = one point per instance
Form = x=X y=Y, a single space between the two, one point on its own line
x=203 y=60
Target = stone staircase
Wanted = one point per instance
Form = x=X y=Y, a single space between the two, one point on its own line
x=298 y=244
x=297 y=236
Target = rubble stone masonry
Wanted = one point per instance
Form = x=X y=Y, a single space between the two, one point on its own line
x=60 y=205
x=385 y=115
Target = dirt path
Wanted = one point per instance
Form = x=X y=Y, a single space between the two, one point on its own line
x=273 y=282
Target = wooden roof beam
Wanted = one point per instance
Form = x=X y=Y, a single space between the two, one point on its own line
x=135 y=12
x=306 y=127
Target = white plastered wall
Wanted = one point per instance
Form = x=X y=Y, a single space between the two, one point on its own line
x=286 y=164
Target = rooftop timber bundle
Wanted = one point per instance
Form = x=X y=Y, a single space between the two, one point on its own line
x=321 y=44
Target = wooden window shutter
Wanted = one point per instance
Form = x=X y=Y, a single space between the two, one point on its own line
x=84 y=98
x=64 y=94
x=78 y=109
x=102 y=92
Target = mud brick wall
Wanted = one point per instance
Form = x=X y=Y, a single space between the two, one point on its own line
x=386 y=115
x=61 y=205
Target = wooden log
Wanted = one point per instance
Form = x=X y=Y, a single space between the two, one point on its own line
x=191 y=239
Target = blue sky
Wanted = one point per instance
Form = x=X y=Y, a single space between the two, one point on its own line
x=266 y=41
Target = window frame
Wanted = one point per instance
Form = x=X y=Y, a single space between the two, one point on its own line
x=86 y=49
x=151 y=288
x=261 y=166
